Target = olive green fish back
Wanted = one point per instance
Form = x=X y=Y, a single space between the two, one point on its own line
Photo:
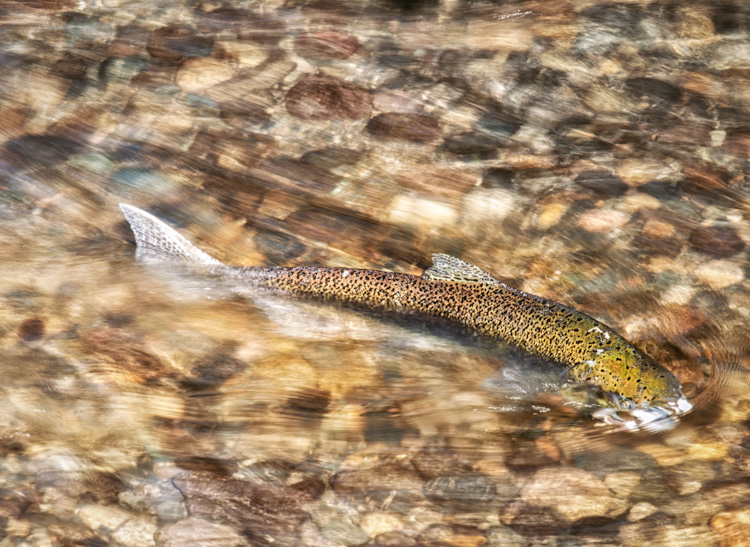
x=464 y=293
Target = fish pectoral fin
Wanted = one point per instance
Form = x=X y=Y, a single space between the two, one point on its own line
x=449 y=268
x=584 y=376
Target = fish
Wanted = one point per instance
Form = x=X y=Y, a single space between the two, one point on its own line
x=463 y=294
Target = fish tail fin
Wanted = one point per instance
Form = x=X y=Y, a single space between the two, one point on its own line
x=158 y=242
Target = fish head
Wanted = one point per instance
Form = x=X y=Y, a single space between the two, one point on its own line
x=654 y=403
x=657 y=386
x=635 y=380
x=658 y=397
x=635 y=377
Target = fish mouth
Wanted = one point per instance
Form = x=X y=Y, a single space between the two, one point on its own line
x=658 y=415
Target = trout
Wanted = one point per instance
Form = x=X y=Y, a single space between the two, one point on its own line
x=461 y=293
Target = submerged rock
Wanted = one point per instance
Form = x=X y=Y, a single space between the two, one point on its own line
x=31 y=329
x=388 y=481
x=258 y=507
x=380 y=522
x=405 y=127
x=326 y=44
x=322 y=97
x=602 y=182
x=176 y=42
x=200 y=73
x=718 y=241
x=337 y=523
x=571 y=492
x=196 y=532
x=719 y=274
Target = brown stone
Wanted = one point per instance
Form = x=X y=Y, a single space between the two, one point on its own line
x=213 y=369
x=246 y=54
x=45 y=150
x=685 y=135
x=133 y=363
x=471 y=144
x=214 y=466
x=436 y=462
x=248 y=113
x=437 y=181
x=534 y=521
x=259 y=507
x=464 y=491
x=733 y=527
x=240 y=154
x=233 y=153
x=378 y=523
x=523 y=161
x=703 y=177
x=738 y=143
x=13 y=118
x=71 y=533
x=326 y=44
x=194 y=531
x=718 y=241
x=322 y=97
x=102 y=487
x=332 y=157
x=602 y=182
x=16 y=501
x=405 y=127
x=129 y=42
x=704 y=83
x=309 y=400
x=71 y=66
x=571 y=492
x=200 y=73
x=224 y=19
x=720 y=274
x=549 y=448
x=31 y=329
x=675 y=321
x=378 y=483
x=156 y=75
x=310 y=487
x=176 y=42
x=453 y=536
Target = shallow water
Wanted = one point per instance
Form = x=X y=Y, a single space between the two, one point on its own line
x=595 y=154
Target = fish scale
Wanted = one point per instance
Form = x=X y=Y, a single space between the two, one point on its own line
x=592 y=351
x=459 y=292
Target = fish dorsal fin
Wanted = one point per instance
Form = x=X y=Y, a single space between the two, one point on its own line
x=158 y=242
x=449 y=268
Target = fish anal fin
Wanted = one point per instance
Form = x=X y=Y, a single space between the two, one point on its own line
x=449 y=268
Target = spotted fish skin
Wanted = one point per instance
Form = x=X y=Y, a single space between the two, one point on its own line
x=593 y=351
x=457 y=291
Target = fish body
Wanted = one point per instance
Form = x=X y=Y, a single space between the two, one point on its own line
x=459 y=292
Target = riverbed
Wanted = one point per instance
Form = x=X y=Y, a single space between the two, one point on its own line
x=592 y=153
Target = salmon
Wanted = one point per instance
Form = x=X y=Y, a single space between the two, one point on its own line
x=458 y=292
